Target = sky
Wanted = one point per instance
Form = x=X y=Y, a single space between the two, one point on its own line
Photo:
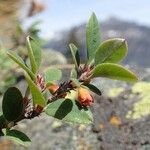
x=63 y=14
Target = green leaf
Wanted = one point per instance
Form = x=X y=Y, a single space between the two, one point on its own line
x=12 y=104
x=16 y=58
x=35 y=24
x=18 y=137
x=73 y=73
x=92 y=37
x=19 y=30
x=113 y=71
x=37 y=96
x=113 y=51
x=31 y=56
x=70 y=111
x=34 y=52
x=75 y=55
x=76 y=82
x=93 y=88
x=2 y=121
x=52 y=74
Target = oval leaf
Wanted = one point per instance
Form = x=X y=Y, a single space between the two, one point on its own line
x=52 y=74
x=70 y=111
x=75 y=55
x=113 y=71
x=12 y=104
x=37 y=96
x=92 y=37
x=16 y=58
x=93 y=88
x=2 y=122
x=34 y=52
x=18 y=137
x=113 y=51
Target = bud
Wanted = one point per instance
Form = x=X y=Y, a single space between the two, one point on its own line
x=53 y=88
x=84 y=97
x=40 y=82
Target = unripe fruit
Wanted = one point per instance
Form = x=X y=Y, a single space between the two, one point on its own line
x=84 y=97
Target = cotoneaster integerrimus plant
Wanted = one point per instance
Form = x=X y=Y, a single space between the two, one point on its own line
x=70 y=100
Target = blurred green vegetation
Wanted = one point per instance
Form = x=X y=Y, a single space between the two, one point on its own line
x=7 y=68
x=9 y=75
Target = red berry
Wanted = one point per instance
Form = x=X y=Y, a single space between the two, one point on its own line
x=84 y=97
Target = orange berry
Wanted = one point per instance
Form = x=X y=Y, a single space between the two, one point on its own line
x=84 y=97
x=53 y=88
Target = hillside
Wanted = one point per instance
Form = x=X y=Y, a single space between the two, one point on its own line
x=136 y=35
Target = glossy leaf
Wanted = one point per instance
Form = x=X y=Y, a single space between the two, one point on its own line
x=113 y=51
x=75 y=55
x=34 y=52
x=113 y=71
x=92 y=37
x=70 y=111
x=18 y=137
x=31 y=56
x=12 y=104
x=16 y=58
x=52 y=74
x=93 y=88
x=37 y=96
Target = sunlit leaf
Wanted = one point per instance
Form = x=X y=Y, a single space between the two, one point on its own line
x=92 y=37
x=34 y=52
x=113 y=71
x=113 y=50
x=75 y=55
x=16 y=58
x=37 y=96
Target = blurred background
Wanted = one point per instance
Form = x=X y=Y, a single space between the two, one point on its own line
x=122 y=114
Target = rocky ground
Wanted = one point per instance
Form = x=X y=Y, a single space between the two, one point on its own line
x=119 y=122
x=114 y=130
